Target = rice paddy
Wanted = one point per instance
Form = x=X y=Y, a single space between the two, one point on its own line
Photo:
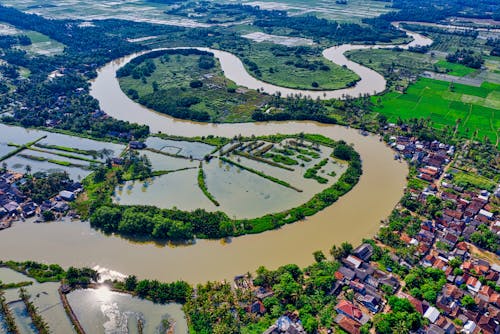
x=474 y=109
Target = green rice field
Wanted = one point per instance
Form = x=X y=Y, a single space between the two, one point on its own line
x=458 y=70
x=478 y=108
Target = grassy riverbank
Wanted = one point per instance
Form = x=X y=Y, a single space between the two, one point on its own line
x=298 y=68
x=190 y=86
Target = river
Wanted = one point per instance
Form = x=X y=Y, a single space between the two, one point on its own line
x=355 y=216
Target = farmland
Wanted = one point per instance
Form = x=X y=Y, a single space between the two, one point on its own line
x=458 y=70
x=447 y=105
x=40 y=44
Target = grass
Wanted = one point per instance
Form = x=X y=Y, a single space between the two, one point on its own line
x=66 y=155
x=279 y=70
x=20 y=148
x=458 y=70
x=473 y=181
x=273 y=163
x=445 y=103
x=175 y=75
x=312 y=173
x=92 y=153
x=53 y=161
x=203 y=185
x=42 y=44
x=381 y=59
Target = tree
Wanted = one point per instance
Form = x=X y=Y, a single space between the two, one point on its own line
x=287 y=290
x=48 y=215
x=468 y=302
x=106 y=218
x=319 y=256
x=130 y=283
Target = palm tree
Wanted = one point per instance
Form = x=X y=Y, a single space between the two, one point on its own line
x=28 y=169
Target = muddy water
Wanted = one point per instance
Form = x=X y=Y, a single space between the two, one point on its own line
x=370 y=81
x=355 y=216
x=101 y=311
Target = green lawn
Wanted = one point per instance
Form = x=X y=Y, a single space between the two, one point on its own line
x=445 y=103
x=458 y=70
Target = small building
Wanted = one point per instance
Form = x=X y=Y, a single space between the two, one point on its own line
x=137 y=145
x=364 y=252
x=67 y=195
x=432 y=314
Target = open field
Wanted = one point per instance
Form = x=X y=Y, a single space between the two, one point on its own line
x=458 y=70
x=142 y=10
x=283 y=67
x=446 y=103
x=41 y=44
x=354 y=10
x=382 y=59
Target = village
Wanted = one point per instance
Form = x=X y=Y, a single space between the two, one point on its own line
x=454 y=252
x=16 y=205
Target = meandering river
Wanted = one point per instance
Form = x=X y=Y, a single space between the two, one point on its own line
x=355 y=216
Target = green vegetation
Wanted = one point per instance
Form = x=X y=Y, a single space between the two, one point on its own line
x=66 y=155
x=305 y=291
x=135 y=167
x=473 y=181
x=297 y=67
x=280 y=158
x=425 y=283
x=92 y=153
x=203 y=186
x=276 y=161
x=53 y=161
x=53 y=273
x=14 y=285
x=402 y=318
x=20 y=148
x=464 y=111
x=261 y=174
x=458 y=70
x=41 y=186
x=41 y=272
x=188 y=84
x=155 y=291
x=40 y=324
x=7 y=315
x=466 y=57
x=485 y=238
x=312 y=173
x=173 y=224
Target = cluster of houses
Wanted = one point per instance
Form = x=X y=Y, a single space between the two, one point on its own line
x=432 y=157
x=15 y=205
x=449 y=237
x=441 y=243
